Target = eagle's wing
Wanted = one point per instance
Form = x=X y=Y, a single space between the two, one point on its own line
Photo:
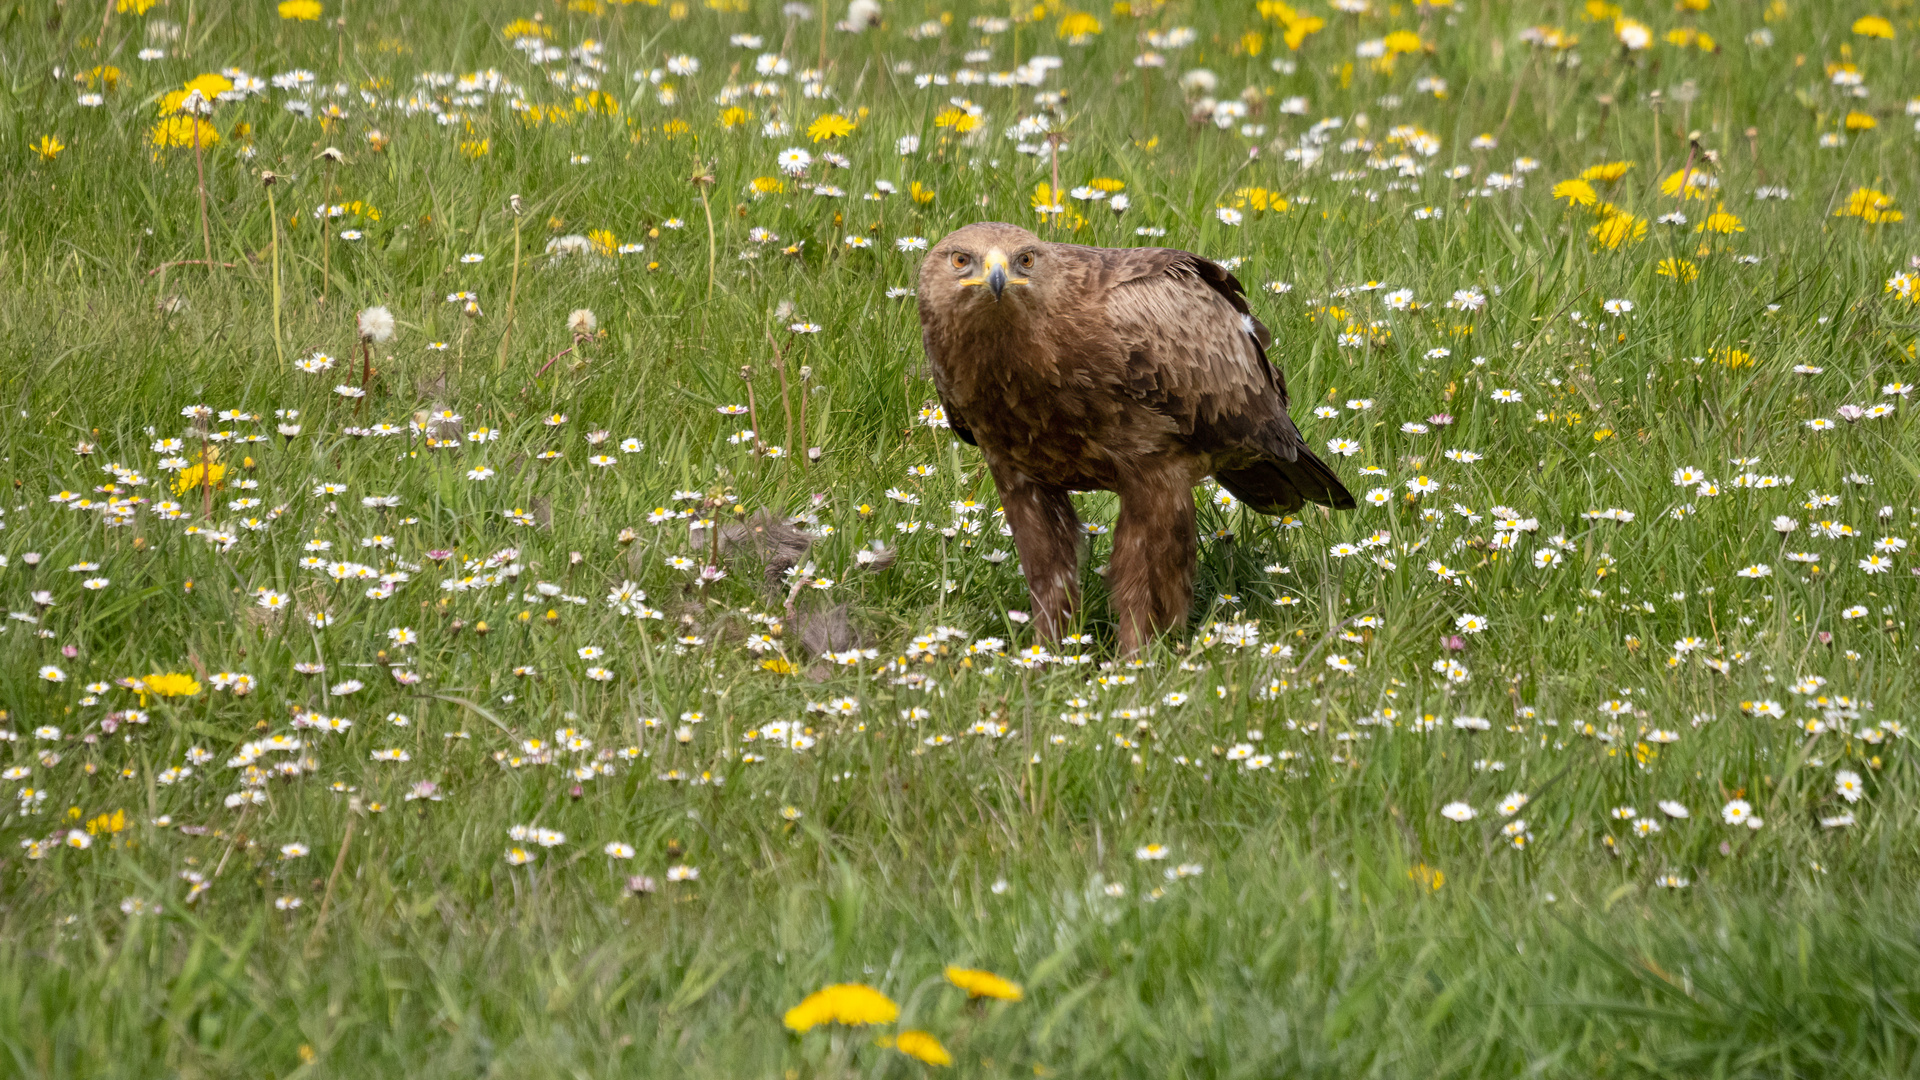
x=937 y=363
x=1193 y=352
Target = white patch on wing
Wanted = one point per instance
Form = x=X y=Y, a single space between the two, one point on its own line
x=1246 y=321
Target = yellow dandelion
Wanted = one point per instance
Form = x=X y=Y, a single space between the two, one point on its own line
x=779 y=665
x=49 y=147
x=1873 y=207
x=209 y=472
x=1402 y=41
x=172 y=684
x=830 y=126
x=182 y=131
x=1875 y=26
x=921 y=193
x=1576 y=192
x=1261 y=199
x=1107 y=184
x=922 y=1046
x=732 y=117
x=602 y=240
x=1859 y=121
x=1681 y=270
x=1607 y=171
x=1721 y=222
x=107 y=823
x=1296 y=26
x=1619 y=227
x=520 y=28
x=984 y=984
x=960 y=120
x=1430 y=877
x=1731 y=358
x=842 y=1003
x=211 y=86
x=300 y=10
x=596 y=101
x=1078 y=25
x=1690 y=183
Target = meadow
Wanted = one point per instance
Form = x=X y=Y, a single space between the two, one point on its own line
x=488 y=588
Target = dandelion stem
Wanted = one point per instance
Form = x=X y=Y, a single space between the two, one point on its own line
x=366 y=372
x=786 y=403
x=200 y=169
x=793 y=599
x=1013 y=16
x=1053 y=157
x=786 y=406
x=753 y=408
x=273 y=217
x=576 y=344
x=206 y=479
x=713 y=250
x=326 y=899
x=713 y=553
x=239 y=837
x=513 y=294
x=326 y=237
x=1686 y=173
x=1654 y=101
x=165 y=266
x=806 y=452
x=1146 y=99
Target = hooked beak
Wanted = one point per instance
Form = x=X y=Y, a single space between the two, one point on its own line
x=996 y=272
x=996 y=276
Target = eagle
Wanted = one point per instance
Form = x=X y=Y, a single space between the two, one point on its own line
x=1139 y=371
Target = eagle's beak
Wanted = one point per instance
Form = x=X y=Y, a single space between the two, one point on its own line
x=997 y=272
x=996 y=277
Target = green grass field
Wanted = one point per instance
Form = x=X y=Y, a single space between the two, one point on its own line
x=385 y=709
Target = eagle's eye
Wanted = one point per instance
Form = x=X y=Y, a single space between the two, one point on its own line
x=1026 y=260
x=959 y=260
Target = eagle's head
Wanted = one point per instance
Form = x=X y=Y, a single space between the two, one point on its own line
x=986 y=267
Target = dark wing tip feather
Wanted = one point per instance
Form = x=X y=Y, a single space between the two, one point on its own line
x=1273 y=486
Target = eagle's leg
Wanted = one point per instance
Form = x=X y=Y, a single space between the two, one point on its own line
x=1047 y=533
x=1155 y=549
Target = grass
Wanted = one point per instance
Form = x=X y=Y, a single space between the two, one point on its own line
x=1315 y=916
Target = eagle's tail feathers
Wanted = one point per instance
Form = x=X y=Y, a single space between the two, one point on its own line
x=1272 y=486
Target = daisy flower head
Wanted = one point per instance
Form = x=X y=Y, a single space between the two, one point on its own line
x=1847 y=785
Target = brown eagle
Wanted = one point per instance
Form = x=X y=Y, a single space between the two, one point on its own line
x=1132 y=370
